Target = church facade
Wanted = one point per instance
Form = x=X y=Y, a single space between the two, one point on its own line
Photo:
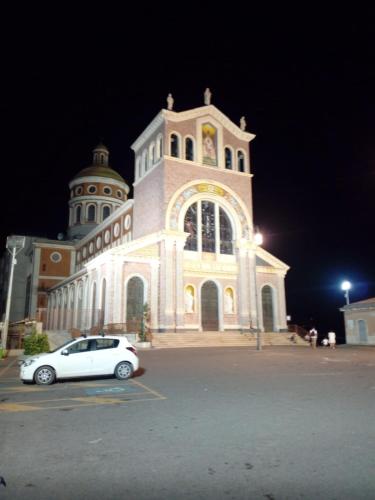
x=182 y=251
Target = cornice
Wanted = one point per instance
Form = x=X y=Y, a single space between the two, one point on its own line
x=174 y=116
x=268 y=257
x=213 y=111
x=148 y=131
x=107 y=222
x=103 y=180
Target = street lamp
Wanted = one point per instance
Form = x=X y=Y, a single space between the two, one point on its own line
x=258 y=240
x=14 y=245
x=346 y=286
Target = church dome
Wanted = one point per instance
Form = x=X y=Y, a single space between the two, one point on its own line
x=100 y=167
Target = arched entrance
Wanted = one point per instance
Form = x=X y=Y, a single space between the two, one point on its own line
x=267 y=308
x=210 y=307
x=134 y=304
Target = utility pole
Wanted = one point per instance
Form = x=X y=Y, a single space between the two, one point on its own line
x=14 y=245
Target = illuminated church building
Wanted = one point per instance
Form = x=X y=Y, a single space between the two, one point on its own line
x=184 y=245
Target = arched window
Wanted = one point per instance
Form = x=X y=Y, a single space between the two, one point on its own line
x=209 y=228
x=91 y=213
x=102 y=311
x=151 y=157
x=175 y=146
x=78 y=214
x=240 y=161
x=144 y=161
x=134 y=304
x=106 y=212
x=190 y=226
x=267 y=309
x=226 y=236
x=189 y=149
x=159 y=148
x=228 y=158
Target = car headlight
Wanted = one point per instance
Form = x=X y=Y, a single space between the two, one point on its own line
x=28 y=362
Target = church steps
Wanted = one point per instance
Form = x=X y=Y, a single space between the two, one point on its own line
x=219 y=339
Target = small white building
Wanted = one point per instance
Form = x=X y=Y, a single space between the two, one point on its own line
x=359 y=318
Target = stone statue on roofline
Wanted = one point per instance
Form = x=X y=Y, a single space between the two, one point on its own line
x=207 y=97
x=242 y=123
x=170 y=102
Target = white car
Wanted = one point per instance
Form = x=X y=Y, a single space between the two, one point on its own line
x=82 y=357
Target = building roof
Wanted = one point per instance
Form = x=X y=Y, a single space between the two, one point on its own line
x=99 y=171
x=362 y=304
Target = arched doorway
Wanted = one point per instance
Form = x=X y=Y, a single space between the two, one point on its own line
x=210 y=307
x=267 y=308
x=134 y=304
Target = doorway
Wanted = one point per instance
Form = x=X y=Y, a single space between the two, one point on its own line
x=210 y=307
x=267 y=308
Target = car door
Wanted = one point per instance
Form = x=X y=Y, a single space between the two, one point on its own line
x=77 y=362
x=103 y=356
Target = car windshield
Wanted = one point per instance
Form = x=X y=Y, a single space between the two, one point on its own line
x=63 y=345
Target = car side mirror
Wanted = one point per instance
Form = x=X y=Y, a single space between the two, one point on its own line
x=65 y=352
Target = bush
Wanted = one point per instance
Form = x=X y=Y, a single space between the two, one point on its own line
x=36 y=343
x=144 y=334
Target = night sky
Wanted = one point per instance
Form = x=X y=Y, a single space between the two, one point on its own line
x=305 y=81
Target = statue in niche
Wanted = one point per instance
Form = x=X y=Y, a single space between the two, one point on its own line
x=242 y=123
x=170 y=102
x=207 y=96
x=189 y=300
x=228 y=301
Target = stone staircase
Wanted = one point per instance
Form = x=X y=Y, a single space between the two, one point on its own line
x=222 y=339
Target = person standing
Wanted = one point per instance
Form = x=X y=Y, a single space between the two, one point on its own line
x=332 y=340
x=313 y=337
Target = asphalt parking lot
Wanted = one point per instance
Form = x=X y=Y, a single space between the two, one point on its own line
x=221 y=423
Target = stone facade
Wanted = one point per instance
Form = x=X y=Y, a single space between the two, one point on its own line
x=215 y=285
x=184 y=245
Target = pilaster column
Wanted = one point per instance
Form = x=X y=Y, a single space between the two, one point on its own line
x=85 y=300
x=254 y=302
x=117 y=291
x=281 y=302
x=243 y=287
x=180 y=302
x=167 y=284
x=154 y=296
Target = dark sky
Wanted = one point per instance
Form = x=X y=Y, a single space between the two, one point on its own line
x=304 y=79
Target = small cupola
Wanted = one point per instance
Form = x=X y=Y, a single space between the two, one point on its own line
x=101 y=155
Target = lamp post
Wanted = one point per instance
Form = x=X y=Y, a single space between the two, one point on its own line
x=14 y=245
x=258 y=240
x=346 y=286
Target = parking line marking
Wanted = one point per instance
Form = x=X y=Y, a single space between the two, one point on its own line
x=7 y=367
x=16 y=407
x=149 y=390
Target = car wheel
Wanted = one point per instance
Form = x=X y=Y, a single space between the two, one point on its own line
x=45 y=375
x=123 y=370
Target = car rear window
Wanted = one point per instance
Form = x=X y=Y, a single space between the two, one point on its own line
x=106 y=344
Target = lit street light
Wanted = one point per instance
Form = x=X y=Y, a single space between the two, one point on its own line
x=258 y=240
x=346 y=286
